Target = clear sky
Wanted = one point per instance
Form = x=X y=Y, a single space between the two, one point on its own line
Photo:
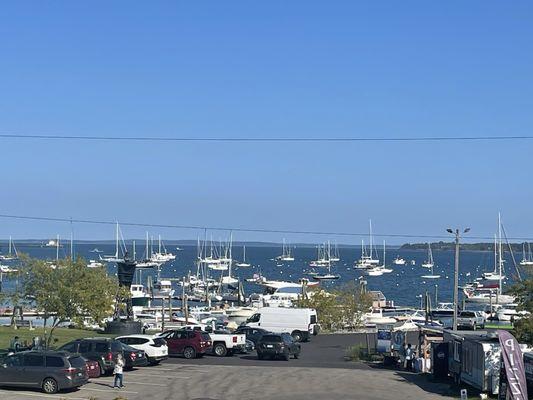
x=264 y=69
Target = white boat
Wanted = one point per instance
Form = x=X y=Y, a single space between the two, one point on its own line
x=162 y=255
x=527 y=259
x=139 y=296
x=322 y=260
x=374 y=271
x=6 y=269
x=367 y=260
x=487 y=297
x=335 y=257
x=12 y=252
x=115 y=257
x=431 y=275
x=95 y=264
x=376 y=317
x=398 y=261
x=286 y=254
x=243 y=264
x=323 y=277
x=383 y=268
x=429 y=262
x=496 y=275
x=162 y=288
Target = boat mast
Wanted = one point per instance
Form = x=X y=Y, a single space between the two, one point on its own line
x=57 y=248
x=371 y=239
x=500 y=260
x=10 y=245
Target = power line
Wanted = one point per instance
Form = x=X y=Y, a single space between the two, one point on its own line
x=245 y=230
x=264 y=139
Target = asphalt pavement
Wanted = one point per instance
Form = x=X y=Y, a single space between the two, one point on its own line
x=320 y=373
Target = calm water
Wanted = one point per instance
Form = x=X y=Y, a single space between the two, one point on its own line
x=404 y=285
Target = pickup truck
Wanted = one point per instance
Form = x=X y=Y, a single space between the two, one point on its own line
x=226 y=343
x=470 y=319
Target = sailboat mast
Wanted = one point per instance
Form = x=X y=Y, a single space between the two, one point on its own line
x=116 y=241
x=57 y=248
x=10 y=245
x=159 y=247
x=500 y=260
x=371 y=239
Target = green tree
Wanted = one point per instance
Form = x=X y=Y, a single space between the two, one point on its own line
x=68 y=291
x=523 y=328
x=342 y=308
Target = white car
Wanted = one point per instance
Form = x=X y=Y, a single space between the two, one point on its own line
x=155 y=348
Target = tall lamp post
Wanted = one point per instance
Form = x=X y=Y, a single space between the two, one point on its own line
x=457 y=234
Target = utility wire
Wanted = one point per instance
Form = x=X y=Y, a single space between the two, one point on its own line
x=249 y=230
x=264 y=139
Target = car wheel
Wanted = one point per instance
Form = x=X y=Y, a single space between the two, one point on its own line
x=286 y=356
x=474 y=327
x=260 y=356
x=50 y=386
x=220 y=350
x=297 y=336
x=296 y=355
x=189 y=353
x=100 y=370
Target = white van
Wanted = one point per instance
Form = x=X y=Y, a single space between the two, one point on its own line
x=299 y=322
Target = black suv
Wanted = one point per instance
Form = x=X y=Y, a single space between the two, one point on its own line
x=274 y=345
x=102 y=350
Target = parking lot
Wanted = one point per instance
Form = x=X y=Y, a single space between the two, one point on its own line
x=320 y=373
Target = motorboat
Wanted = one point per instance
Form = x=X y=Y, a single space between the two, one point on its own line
x=95 y=264
x=399 y=261
x=376 y=317
x=162 y=289
x=139 y=296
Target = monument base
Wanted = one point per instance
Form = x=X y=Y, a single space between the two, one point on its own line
x=123 y=327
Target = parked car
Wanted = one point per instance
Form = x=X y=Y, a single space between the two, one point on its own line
x=187 y=342
x=299 y=322
x=227 y=343
x=103 y=350
x=470 y=319
x=252 y=334
x=274 y=345
x=93 y=369
x=155 y=348
x=249 y=347
x=133 y=357
x=50 y=371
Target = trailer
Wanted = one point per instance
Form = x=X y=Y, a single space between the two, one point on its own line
x=474 y=359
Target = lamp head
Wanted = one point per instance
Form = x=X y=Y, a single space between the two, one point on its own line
x=449 y=230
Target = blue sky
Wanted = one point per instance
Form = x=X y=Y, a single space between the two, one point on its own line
x=267 y=69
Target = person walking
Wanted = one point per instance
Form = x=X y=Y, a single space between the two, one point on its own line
x=119 y=372
x=409 y=357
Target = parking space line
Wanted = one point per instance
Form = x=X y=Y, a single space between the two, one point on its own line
x=139 y=383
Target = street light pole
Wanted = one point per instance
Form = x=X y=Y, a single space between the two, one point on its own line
x=456 y=275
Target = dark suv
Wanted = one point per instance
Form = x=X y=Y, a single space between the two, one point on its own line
x=187 y=342
x=274 y=345
x=252 y=334
x=103 y=350
x=49 y=370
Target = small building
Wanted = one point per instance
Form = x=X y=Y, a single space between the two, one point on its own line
x=474 y=358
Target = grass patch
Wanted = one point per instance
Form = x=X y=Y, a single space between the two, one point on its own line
x=61 y=335
x=495 y=326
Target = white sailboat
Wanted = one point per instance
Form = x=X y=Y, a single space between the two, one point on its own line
x=336 y=255
x=115 y=257
x=527 y=260
x=431 y=275
x=367 y=261
x=327 y=259
x=286 y=254
x=12 y=252
x=243 y=263
x=429 y=262
x=494 y=275
x=162 y=255
x=321 y=260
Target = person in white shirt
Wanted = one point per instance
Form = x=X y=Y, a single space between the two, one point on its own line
x=119 y=372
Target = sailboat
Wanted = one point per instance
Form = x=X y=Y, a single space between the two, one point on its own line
x=367 y=261
x=162 y=255
x=491 y=295
x=336 y=256
x=286 y=254
x=379 y=270
x=429 y=262
x=147 y=262
x=12 y=252
x=321 y=260
x=527 y=260
x=243 y=264
x=115 y=257
x=431 y=275
x=328 y=275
